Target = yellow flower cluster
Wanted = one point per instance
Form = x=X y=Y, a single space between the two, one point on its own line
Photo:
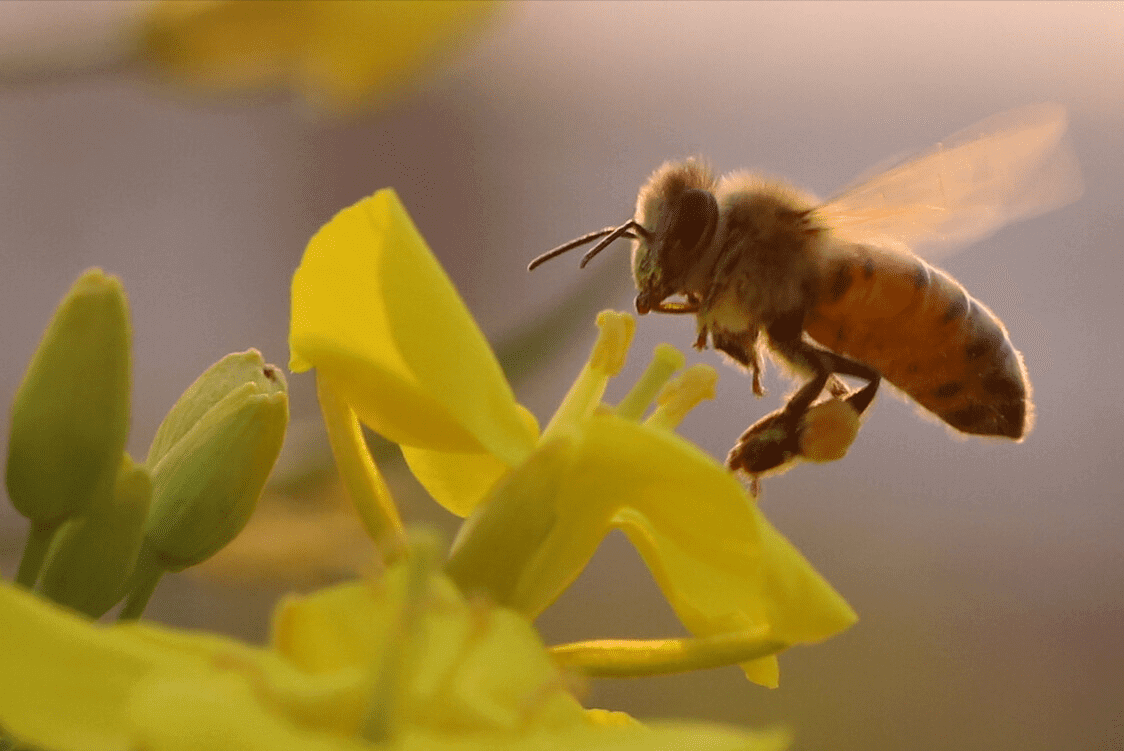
x=405 y=658
x=426 y=658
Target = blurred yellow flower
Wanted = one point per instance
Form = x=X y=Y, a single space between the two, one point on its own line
x=338 y=54
x=404 y=659
x=394 y=346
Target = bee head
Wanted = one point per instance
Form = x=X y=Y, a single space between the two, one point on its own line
x=678 y=210
x=676 y=218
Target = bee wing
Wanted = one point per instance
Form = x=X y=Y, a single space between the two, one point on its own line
x=1011 y=166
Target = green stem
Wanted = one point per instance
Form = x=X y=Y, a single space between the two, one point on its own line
x=393 y=663
x=38 y=542
x=141 y=592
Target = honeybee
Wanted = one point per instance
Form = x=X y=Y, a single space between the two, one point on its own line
x=833 y=288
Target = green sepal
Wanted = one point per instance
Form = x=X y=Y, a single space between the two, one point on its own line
x=92 y=555
x=500 y=541
x=70 y=417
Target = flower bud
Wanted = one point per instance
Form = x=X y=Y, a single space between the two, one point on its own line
x=211 y=458
x=209 y=389
x=70 y=418
x=92 y=554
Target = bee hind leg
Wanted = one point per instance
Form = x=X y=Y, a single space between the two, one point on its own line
x=773 y=442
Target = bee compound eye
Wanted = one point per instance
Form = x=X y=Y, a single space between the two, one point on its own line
x=690 y=228
x=694 y=218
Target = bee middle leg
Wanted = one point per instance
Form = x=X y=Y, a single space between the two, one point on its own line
x=826 y=366
x=787 y=340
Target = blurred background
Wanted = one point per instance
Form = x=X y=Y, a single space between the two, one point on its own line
x=988 y=576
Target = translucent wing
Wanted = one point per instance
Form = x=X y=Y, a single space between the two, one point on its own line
x=1011 y=166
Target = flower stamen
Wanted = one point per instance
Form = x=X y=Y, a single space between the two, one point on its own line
x=634 y=658
x=605 y=361
x=682 y=395
x=666 y=360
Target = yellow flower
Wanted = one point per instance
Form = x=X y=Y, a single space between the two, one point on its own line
x=336 y=53
x=404 y=659
x=394 y=346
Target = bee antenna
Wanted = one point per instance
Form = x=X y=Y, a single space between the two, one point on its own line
x=609 y=233
x=625 y=230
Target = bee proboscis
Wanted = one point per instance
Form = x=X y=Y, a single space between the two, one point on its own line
x=834 y=288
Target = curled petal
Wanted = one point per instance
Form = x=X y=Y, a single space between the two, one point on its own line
x=375 y=312
x=770 y=585
x=460 y=481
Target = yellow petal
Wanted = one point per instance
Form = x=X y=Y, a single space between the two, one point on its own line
x=53 y=664
x=329 y=629
x=67 y=683
x=375 y=312
x=479 y=669
x=695 y=736
x=721 y=565
x=339 y=54
x=771 y=587
x=458 y=481
x=364 y=50
x=220 y=710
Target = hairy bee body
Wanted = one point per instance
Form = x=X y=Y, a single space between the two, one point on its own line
x=772 y=258
x=834 y=288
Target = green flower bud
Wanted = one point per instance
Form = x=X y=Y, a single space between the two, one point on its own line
x=70 y=418
x=92 y=555
x=211 y=458
x=214 y=385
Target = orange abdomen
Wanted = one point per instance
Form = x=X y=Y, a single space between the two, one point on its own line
x=919 y=328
